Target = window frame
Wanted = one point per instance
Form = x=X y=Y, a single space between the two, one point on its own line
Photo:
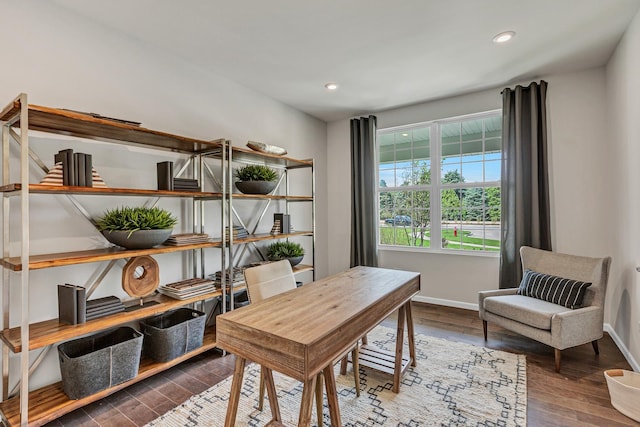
x=435 y=187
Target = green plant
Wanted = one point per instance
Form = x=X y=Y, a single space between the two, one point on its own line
x=256 y=173
x=282 y=250
x=134 y=219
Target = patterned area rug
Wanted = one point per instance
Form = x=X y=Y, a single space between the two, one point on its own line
x=454 y=384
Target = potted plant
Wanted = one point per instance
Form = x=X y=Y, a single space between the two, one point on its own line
x=136 y=227
x=256 y=179
x=285 y=250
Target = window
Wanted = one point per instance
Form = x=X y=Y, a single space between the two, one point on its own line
x=440 y=184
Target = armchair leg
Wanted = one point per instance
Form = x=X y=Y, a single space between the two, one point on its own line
x=558 y=355
x=594 y=343
x=484 y=329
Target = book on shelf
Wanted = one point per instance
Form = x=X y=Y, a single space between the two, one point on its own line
x=187 y=288
x=165 y=175
x=71 y=304
x=238 y=231
x=105 y=306
x=186 y=239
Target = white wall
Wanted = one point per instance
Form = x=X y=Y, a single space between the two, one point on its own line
x=61 y=60
x=579 y=170
x=623 y=141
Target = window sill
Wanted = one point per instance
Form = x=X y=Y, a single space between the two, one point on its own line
x=387 y=248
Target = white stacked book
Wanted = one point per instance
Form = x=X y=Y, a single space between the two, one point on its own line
x=189 y=288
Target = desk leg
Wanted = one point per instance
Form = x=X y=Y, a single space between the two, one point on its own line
x=397 y=369
x=271 y=392
x=234 y=398
x=306 y=403
x=332 y=396
x=412 y=345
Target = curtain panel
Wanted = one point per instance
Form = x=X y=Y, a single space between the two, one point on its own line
x=363 y=192
x=525 y=183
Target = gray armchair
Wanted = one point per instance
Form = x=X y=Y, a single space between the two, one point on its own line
x=552 y=324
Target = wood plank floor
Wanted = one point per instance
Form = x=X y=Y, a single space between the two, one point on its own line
x=577 y=396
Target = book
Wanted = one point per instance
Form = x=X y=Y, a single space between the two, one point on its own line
x=165 y=175
x=81 y=301
x=78 y=159
x=65 y=157
x=67 y=304
x=88 y=170
x=105 y=312
x=71 y=168
x=285 y=222
x=101 y=302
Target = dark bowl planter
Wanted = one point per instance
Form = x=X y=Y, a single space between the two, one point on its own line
x=141 y=239
x=293 y=260
x=255 y=187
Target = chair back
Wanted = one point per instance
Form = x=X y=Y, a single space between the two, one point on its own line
x=267 y=280
x=585 y=269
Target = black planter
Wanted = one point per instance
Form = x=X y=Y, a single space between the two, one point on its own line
x=256 y=187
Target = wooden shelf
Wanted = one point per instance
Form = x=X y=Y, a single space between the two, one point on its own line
x=50 y=402
x=65 y=122
x=241 y=196
x=242 y=154
x=37 y=262
x=301 y=268
x=100 y=191
x=267 y=236
x=49 y=332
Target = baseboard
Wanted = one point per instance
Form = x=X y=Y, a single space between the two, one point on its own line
x=469 y=306
x=623 y=348
x=446 y=302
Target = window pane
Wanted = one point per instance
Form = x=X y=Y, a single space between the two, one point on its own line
x=470 y=155
x=471 y=218
x=472 y=130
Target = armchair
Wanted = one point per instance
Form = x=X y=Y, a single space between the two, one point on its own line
x=548 y=322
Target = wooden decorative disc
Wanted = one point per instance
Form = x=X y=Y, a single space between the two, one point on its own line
x=140 y=285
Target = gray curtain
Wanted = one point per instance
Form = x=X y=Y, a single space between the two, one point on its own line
x=363 y=192
x=525 y=182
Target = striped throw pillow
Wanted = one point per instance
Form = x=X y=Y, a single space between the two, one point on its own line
x=558 y=290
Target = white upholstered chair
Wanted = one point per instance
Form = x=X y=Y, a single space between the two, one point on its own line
x=550 y=323
x=271 y=279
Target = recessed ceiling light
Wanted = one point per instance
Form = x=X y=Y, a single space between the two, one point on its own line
x=331 y=86
x=405 y=134
x=504 y=37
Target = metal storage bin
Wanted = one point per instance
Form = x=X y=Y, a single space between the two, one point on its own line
x=172 y=334
x=97 y=362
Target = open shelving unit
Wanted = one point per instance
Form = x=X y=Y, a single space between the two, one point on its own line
x=42 y=405
x=19 y=336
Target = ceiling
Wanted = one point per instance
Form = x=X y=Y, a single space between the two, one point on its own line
x=383 y=54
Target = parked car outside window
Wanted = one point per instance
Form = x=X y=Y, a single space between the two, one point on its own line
x=399 y=220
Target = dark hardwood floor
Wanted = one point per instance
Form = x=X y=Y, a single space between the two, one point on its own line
x=577 y=396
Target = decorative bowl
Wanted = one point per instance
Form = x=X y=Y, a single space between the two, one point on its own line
x=140 y=239
x=295 y=260
x=256 y=187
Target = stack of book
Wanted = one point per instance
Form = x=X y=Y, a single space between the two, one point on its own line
x=186 y=239
x=239 y=232
x=73 y=308
x=101 y=307
x=189 y=288
x=185 y=184
x=77 y=168
x=237 y=276
x=71 y=304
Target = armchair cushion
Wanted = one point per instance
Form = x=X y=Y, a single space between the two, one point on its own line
x=558 y=290
x=529 y=311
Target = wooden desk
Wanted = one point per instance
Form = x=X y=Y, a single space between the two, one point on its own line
x=301 y=332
